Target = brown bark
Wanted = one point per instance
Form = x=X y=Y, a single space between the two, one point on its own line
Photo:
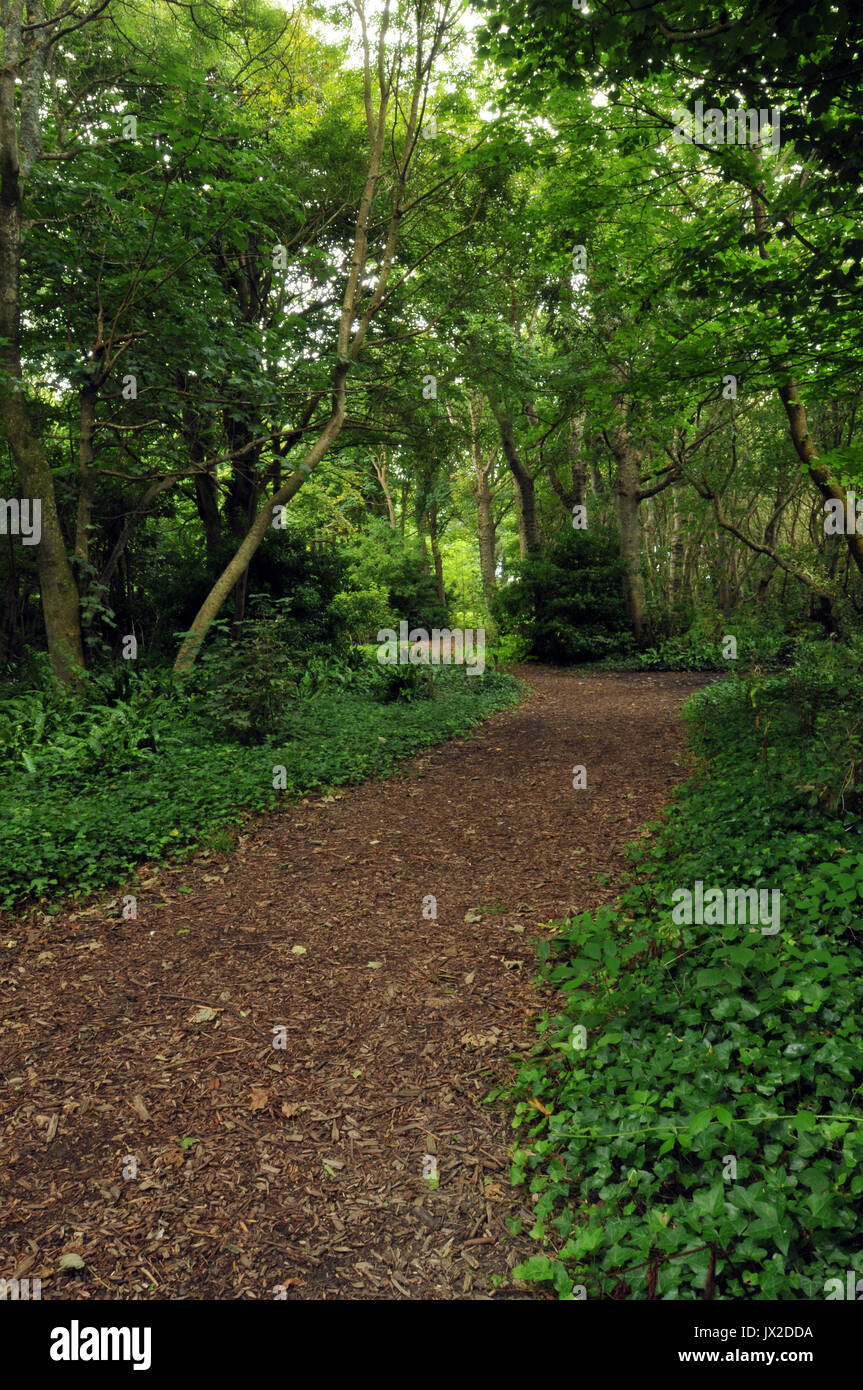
x=435 y=550
x=483 y=496
x=795 y=411
x=19 y=147
x=380 y=467
x=86 y=456
x=528 y=520
x=628 y=490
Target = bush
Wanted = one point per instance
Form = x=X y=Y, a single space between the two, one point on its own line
x=567 y=603
x=78 y=823
x=700 y=648
x=47 y=733
x=708 y=1141
x=287 y=575
x=379 y=560
x=509 y=649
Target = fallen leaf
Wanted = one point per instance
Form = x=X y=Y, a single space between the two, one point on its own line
x=259 y=1099
x=480 y=1039
x=70 y=1261
x=140 y=1108
x=203 y=1016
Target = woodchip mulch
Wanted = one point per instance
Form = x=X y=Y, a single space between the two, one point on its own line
x=147 y=1046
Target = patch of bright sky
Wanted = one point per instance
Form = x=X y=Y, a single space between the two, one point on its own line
x=349 y=37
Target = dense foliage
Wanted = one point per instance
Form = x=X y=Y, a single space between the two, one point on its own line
x=568 y=602
x=318 y=319
x=707 y=1139
x=94 y=791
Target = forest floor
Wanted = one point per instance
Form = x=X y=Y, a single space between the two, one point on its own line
x=158 y=1145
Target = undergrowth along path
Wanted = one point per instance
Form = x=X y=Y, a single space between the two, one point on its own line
x=146 y=1047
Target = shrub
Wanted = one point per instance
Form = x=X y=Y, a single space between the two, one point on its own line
x=568 y=601
x=708 y=1141
x=78 y=823
x=379 y=560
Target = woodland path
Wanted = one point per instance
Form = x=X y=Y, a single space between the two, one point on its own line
x=302 y=1167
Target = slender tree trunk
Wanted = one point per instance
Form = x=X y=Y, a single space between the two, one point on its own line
x=628 y=488
x=435 y=550
x=675 y=555
x=528 y=523
x=380 y=467
x=12 y=598
x=60 y=603
x=207 y=502
x=86 y=456
x=770 y=541
x=485 y=537
x=596 y=479
x=794 y=409
x=577 y=464
x=421 y=520
x=723 y=584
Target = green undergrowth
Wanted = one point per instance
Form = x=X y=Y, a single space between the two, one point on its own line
x=702 y=1137
x=90 y=793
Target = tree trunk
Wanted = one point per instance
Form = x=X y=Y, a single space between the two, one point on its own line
x=436 y=555
x=85 y=460
x=485 y=537
x=628 y=488
x=577 y=464
x=676 y=548
x=528 y=521
x=798 y=424
x=60 y=604
x=380 y=467
x=207 y=501
x=237 y=566
x=723 y=585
